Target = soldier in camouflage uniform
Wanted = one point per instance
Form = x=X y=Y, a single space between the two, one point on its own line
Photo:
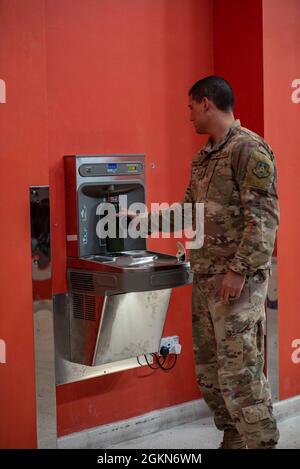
x=234 y=175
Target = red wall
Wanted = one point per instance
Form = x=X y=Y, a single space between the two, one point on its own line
x=281 y=22
x=256 y=46
x=100 y=76
x=238 y=56
x=23 y=129
x=117 y=82
x=88 y=77
x=118 y=75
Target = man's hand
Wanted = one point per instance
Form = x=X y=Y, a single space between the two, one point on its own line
x=135 y=218
x=231 y=286
x=127 y=213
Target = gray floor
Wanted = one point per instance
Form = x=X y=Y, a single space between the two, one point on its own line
x=202 y=434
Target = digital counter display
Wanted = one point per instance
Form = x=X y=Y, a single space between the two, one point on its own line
x=132 y=167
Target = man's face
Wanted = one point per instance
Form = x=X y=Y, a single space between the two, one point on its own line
x=198 y=114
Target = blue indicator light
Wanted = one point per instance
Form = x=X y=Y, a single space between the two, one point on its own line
x=112 y=167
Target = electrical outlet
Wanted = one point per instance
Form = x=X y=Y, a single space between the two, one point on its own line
x=171 y=343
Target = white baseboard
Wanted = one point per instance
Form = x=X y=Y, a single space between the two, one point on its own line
x=106 y=435
x=287 y=408
x=155 y=421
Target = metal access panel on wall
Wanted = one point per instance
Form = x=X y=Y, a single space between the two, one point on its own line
x=43 y=317
x=272 y=332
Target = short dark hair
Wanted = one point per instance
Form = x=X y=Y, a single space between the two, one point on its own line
x=216 y=89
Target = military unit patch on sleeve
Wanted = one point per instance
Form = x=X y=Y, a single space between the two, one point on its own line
x=260 y=171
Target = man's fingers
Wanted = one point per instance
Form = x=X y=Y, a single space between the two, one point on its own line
x=122 y=213
x=221 y=292
x=126 y=213
x=231 y=287
x=226 y=293
x=238 y=293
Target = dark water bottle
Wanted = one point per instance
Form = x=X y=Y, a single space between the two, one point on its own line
x=116 y=244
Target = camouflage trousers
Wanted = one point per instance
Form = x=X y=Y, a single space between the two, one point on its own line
x=229 y=356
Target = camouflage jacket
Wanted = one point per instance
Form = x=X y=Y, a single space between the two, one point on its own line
x=236 y=180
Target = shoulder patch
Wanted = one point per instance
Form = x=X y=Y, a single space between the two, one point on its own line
x=260 y=171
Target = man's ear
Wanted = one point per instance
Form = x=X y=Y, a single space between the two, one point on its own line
x=206 y=103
